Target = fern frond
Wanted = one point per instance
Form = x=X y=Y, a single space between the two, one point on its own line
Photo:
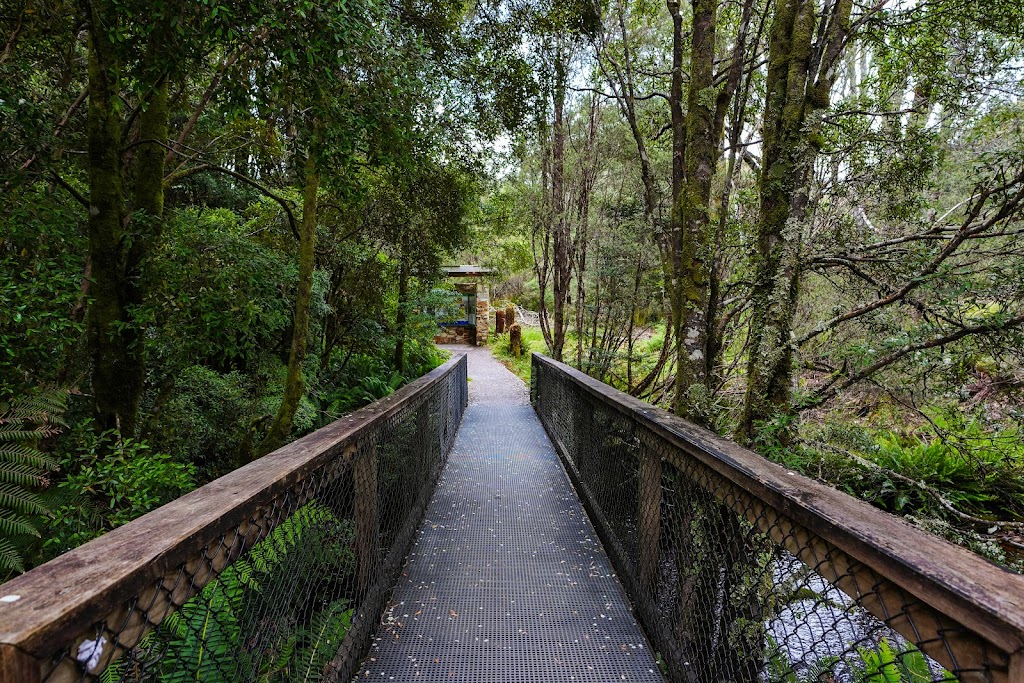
x=46 y=407
x=20 y=474
x=14 y=497
x=24 y=422
x=15 y=525
x=324 y=636
x=31 y=414
x=10 y=560
x=60 y=496
x=15 y=431
x=16 y=452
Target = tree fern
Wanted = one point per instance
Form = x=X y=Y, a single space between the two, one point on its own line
x=24 y=422
x=203 y=635
x=321 y=640
x=242 y=626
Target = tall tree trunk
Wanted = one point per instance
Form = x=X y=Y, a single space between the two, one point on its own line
x=588 y=176
x=402 y=313
x=294 y=385
x=120 y=245
x=562 y=270
x=672 y=263
x=691 y=224
x=581 y=291
x=733 y=97
x=798 y=86
x=540 y=236
x=117 y=372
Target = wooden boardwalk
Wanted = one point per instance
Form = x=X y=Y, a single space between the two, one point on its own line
x=507 y=581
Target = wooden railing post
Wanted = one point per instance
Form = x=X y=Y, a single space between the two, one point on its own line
x=16 y=665
x=1016 y=668
x=367 y=520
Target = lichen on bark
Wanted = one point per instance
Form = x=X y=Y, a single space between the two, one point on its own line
x=294 y=383
x=801 y=59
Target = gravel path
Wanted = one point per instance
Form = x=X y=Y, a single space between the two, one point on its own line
x=507 y=581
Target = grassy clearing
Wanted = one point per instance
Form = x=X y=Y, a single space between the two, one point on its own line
x=532 y=340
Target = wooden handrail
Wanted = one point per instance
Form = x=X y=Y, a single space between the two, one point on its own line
x=48 y=607
x=971 y=591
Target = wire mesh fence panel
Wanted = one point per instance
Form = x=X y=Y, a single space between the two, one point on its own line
x=742 y=571
x=277 y=572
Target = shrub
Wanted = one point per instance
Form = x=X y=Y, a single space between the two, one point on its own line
x=110 y=482
x=206 y=418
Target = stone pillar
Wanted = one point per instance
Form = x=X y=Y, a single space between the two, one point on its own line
x=483 y=313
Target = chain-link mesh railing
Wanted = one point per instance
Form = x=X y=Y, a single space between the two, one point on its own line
x=276 y=572
x=742 y=571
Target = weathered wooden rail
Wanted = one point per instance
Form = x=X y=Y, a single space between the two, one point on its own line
x=741 y=570
x=276 y=558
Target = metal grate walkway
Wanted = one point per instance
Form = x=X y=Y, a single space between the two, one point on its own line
x=507 y=581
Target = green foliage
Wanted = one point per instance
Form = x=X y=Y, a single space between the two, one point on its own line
x=983 y=481
x=532 y=340
x=881 y=663
x=421 y=355
x=954 y=477
x=205 y=297
x=41 y=270
x=780 y=670
x=771 y=439
x=24 y=469
x=111 y=481
x=216 y=293
x=205 y=418
x=369 y=388
x=203 y=640
x=974 y=469
x=202 y=636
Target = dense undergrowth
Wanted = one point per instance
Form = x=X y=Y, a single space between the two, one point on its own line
x=217 y=324
x=957 y=474
x=500 y=345
x=952 y=476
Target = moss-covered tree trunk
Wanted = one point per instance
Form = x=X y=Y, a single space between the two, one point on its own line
x=145 y=229
x=294 y=385
x=119 y=245
x=562 y=266
x=732 y=103
x=697 y=136
x=401 y=315
x=671 y=252
x=540 y=240
x=110 y=342
x=800 y=76
x=691 y=225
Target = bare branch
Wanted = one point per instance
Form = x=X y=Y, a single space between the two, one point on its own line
x=968 y=230
x=79 y=197
x=206 y=166
x=824 y=394
x=204 y=101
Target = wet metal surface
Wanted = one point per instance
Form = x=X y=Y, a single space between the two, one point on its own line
x=507 y=581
